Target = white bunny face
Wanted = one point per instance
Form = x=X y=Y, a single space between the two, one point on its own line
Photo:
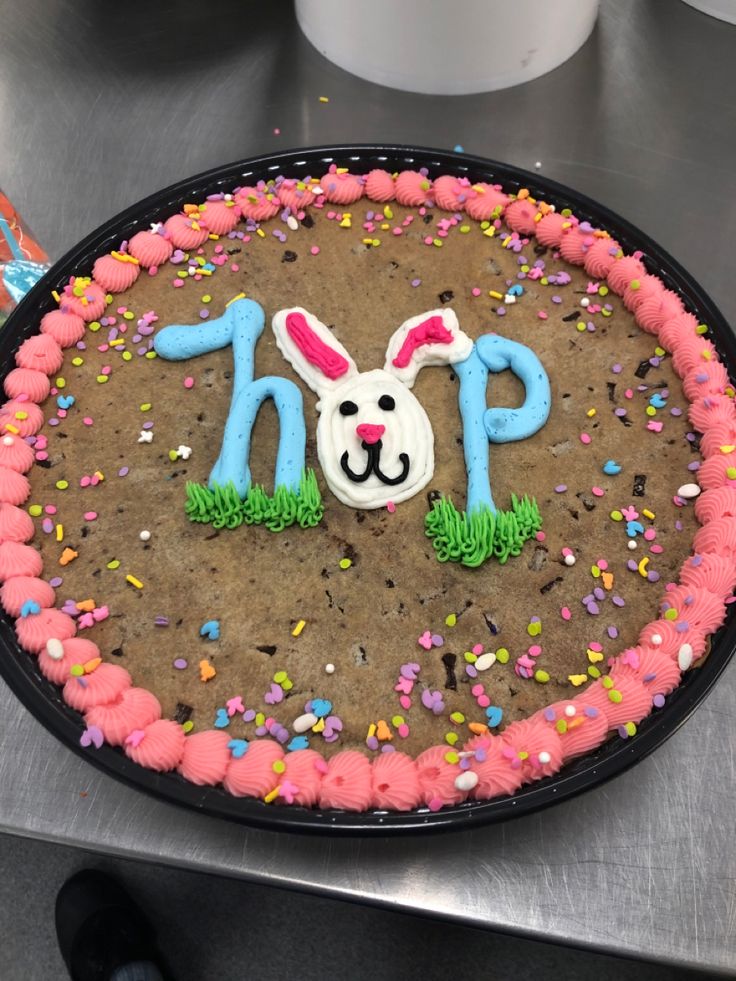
x=374 y=439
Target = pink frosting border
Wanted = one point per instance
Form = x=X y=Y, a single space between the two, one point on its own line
x=491 y=764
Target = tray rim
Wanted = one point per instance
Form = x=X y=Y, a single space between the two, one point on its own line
x=43 y=699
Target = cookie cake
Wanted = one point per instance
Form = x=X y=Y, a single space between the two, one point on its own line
x=366 y=491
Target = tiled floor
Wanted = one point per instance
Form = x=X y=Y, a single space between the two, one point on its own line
x=224 y=930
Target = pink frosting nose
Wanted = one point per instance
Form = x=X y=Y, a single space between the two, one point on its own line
x=370 y=433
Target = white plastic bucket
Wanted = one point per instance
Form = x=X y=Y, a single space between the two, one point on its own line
x=447 y=47
x=722 y=9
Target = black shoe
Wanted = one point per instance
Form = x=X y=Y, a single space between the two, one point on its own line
x=100 y=928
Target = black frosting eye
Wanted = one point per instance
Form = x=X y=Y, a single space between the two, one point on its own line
x=386 y=403
x=348 y=408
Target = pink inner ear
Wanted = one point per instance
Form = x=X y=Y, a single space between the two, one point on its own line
x=430 y=331
x=330 y=363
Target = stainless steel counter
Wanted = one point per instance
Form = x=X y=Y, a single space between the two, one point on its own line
x=99 y=107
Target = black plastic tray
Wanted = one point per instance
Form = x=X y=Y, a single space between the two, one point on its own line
x=43 y=699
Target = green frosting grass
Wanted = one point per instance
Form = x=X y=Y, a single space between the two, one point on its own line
x=222 y=507
x=474 y=538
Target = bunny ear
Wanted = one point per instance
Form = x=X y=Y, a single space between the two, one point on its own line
x=430 y=339
x=308 y=345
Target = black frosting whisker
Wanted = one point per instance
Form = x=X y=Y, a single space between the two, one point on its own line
x=373 y=465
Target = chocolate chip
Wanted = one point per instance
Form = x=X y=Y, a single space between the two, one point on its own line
x=446 y=296
x=390 y=584
x=269 y=649
x=182 y=713
x=289 y=256
x=450 y=660
x=586 y=500
x=491 y=623
x=117 y=652
x=643 y=369
x=611 y=391
x=550 y=585
x=640 y=485
x=432 y=497
x=575 y=315
x=308 y=221
x=538 y=558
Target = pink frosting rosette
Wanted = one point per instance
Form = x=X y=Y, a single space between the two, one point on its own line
x=451 y=193
x=346 y=784
x=575 y=243
x=656 y=671
x=16 y=525
x=116 y=272
x=716 y=436
x=492 y=766
x=84 y=298
x=626 y=700
x=394 y=782
x=40 y=353
x=103 y=686
x=412 y=189
x=19 y=560
x=678 y=327
x=639 y=290
x=73 y=650
x=151 y=249
x=159 y=746
x=580 y=727
x=534 y=747
x=380 y=186
x=33 y=632
x=66 y=329
x=135 y=709
x=437 y=777
x=600 y=257
x=17 y=591
x=258 y=203
x=710 y=411
x=712 y=572
x=623 y=272
x=28 y=382
x=304 y=774
x=550 y=229
x=695 y=606
x=654 y=311
x=221 y=214
x=718 y=471
x=253 y=775
x=520 y=216
x=485 y=201
x=297 y=195
x=667 y=637
x=341 y=187
x=14 y=486
x=205 y=758
x=720 y=502
x=15 y=453
x=709 y=378
x=25 y=417
x=187 y=231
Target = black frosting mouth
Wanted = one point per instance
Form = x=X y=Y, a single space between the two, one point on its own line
x=373 y=465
